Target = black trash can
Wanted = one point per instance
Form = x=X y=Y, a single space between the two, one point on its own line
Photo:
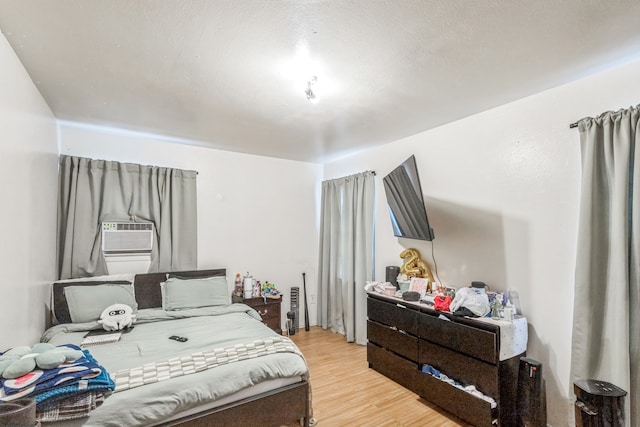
x=19 y=413
x=598 y=404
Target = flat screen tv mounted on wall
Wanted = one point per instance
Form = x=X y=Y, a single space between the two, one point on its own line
x=406 y=205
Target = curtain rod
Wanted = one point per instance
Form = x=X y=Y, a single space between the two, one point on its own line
x=573 y=125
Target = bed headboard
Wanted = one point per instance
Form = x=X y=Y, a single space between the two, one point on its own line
x=146 y=286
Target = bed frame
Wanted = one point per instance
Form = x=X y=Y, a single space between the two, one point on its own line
x=273 y=408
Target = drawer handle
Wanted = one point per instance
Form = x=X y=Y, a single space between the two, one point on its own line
x=400 y=305
x=263 y=313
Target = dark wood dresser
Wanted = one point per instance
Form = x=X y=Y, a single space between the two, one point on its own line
x=269 y=310
x=403 y=336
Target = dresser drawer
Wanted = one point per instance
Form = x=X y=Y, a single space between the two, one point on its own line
x=400 y=370
x=465 y=369
x=269 y=311
x=395 y=315
x=270 y=315
x=260 y=302
x=463 y=405
x=401 y=343
x=465 y=339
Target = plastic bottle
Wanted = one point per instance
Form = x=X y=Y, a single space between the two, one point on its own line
x=509 y=311
x=514 y=299
x=237 y=290
x=495 y=314
x=247 y=286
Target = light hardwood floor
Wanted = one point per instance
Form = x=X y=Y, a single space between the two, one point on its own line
x=347 y=393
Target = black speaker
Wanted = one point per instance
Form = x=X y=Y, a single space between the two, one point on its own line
x=392 y=275
x=531 y=397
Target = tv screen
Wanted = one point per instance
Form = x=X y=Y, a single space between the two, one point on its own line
x=406 y=205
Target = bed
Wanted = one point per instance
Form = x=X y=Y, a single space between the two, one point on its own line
x=246 y=374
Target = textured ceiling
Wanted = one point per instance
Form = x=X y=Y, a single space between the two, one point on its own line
x=220 y=73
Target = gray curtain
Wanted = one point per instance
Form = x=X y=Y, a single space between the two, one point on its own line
x=346 y=254
x=92 y=191
x=606 y=327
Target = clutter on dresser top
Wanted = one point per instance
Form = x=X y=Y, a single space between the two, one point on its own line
x=474 y=300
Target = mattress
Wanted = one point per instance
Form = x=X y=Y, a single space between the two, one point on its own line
x=208 y=330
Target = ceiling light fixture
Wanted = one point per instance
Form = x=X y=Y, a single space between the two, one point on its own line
x=311 y=96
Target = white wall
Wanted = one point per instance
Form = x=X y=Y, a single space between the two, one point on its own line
x=255 y=214
x=28 y=150
x=502 y=192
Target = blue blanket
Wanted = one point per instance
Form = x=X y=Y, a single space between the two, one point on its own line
x=46 y=386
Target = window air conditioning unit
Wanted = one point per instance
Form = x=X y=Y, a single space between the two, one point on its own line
x=127 y=238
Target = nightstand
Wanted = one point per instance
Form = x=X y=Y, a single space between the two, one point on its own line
x=269 y=311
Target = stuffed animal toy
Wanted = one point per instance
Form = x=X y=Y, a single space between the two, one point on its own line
x=21 y=360
x=117 y=317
